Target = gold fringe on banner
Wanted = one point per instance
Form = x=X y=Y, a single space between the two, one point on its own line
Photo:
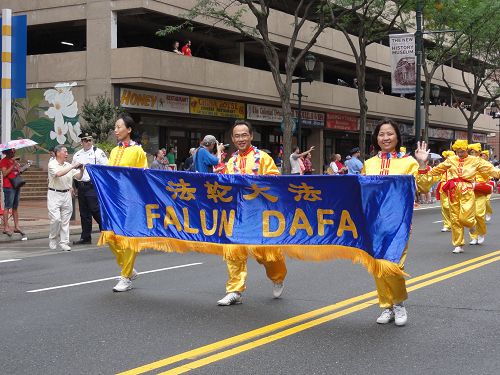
x=376 y=267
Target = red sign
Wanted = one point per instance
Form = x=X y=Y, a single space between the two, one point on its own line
x=340 y=121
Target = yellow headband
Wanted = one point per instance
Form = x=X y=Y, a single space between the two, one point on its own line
x=402 y=149
x=460 y=144
x=474 y=146
x=486 y=152
x=447 y=153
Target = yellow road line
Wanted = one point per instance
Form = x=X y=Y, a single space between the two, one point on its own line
x=284 y=323
x=313 y=323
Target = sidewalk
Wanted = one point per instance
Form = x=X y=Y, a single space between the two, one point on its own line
x=34 y=221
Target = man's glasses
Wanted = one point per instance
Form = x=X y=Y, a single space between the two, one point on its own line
x=86 y=140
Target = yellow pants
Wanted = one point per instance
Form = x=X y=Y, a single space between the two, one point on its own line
x=445 y=210
x=481 y=200
x=237 y=272
x=125 y=259
x=489 y=210
x=462 y=214
x=392 y=289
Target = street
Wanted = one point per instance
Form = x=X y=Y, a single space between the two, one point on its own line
x=60 y=316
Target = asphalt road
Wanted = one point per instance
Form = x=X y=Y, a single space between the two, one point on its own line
x=453 y=328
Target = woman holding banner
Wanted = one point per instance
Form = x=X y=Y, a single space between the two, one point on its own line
x=386 y=140
x=127 y=154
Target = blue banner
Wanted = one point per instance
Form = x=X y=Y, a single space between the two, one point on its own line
x=307 y=217
x=19 y=50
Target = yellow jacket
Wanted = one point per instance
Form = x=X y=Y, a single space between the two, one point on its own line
x=131 y=155
x=246 y=163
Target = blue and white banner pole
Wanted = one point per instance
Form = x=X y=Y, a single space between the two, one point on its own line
x=6 y=73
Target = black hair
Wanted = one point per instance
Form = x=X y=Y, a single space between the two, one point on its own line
x=296 y=148
x=243 y=122
x=127 y=120
x=385 y=121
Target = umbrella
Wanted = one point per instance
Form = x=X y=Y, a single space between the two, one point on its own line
x=17 y=144
x=434 y=156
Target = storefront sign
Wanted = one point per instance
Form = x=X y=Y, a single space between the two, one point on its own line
x=216 y=107
x=274 y=114
x=156 y=101
x=340 y=121
x=476 y=137
x=440 y=133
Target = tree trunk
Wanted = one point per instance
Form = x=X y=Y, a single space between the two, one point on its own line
x=287 y=134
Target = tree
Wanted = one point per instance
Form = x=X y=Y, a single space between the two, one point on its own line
x=310 y=18
x=100 y=117
x=479 y=59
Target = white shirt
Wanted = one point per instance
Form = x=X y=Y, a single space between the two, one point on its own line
x=334 y=167
x=64 y=182
x=294 y=163
x=90 y=157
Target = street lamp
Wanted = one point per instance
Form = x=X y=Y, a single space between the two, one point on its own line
x=309 y=62
x=435 y=90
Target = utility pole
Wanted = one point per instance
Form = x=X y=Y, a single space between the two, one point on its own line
x=418 y=88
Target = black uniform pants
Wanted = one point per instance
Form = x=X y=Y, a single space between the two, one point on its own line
x=89 y=207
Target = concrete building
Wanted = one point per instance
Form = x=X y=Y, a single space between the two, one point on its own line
x=109 y=47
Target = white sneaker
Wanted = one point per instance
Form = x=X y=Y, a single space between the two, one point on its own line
x=400 y=316
x=487 y=218
x=473 y=241
x=387 y=316
x=458 y=249
x=445 y=229
x=123 y=285
x=64 y=247
x=135 y=275
x=480 y=240
x=278 y=289
x=233 y=298
x=52 y=244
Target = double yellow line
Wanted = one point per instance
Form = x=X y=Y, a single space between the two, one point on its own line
x=262 y=336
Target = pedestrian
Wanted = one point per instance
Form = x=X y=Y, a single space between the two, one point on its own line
x=249 y=160
x=158 y=162
x=221 y=167
x=462 y=171
x=204 y=159
x=59 y=202
x=171 y=155
x=308 y=167
x=87 y=196
x=186 y=49
x=175 y=48
x=188 y=163
x=11 y=168
x=354 y=165
x=295 y=159
x=127 y=154
x=386 y=140
x=338 y=162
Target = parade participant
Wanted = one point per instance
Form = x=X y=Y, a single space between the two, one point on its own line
x=386 y=140
x=204 y=160
x=59 y=204
x=127 y=154
x=250 y=161
x=462 y=170
x=443 y=197
x=485 y=154
x=87 y=196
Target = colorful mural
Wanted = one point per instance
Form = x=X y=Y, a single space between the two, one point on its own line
x=48 y=117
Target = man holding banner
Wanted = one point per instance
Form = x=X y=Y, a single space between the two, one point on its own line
x=250 y=161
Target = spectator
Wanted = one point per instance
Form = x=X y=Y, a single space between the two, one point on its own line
x=186 y=50
x=188 y=163
x=176 y=48
x=381 y=90
x=171 y=155
x=294 y=159
x=308 y=167
x=354 y=165
x=204 y=160
x=355 y=83
x=333 y=167
x=341 y=168
x=10 y=169
x=158 y=162
x=221 y=167
x=60 y=207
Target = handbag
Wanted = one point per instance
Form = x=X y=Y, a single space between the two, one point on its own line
x=17 y=182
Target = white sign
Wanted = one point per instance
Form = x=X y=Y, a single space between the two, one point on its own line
x=403 y=63
x=274 y=114
x=440 y=133
x=156 y=101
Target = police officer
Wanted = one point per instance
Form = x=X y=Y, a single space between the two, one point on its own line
x=87 y=197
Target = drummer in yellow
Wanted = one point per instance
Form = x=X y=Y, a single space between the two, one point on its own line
x=249 y=160
x=485 y=154
x=443 y=197
x=388 y=161
x=127 y=154
x=462 y=170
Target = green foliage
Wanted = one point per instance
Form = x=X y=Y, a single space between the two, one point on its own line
x=100 y=117
x=106 y=146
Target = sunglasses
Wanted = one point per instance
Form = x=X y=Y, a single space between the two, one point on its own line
x=86 y=140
